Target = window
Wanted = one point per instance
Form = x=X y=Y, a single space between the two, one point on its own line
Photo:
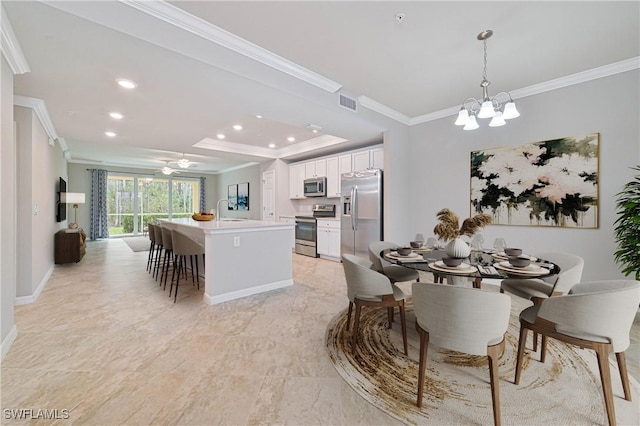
x=134 y=201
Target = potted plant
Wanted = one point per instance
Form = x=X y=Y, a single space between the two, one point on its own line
x=626 y=227
x=449 y=230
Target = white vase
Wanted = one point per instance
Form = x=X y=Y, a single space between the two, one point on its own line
x=457 y=248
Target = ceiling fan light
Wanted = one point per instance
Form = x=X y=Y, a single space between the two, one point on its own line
x=497 y=120
x=463 y=117
x=183 y=163
x=486 y=110
x=167 y=170
x=510 y=111
x=472 y=124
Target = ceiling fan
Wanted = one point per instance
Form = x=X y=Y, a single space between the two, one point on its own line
x=184 y=163
x=168 y=171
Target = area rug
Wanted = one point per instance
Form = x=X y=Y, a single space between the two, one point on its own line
x=137 y=243
x=564 y=390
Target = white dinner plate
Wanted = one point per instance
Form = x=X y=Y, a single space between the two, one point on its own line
x=502 y=255
x=527 y=270
x=463 y=268
x=395 y=254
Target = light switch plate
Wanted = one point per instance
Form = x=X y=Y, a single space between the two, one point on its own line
x=236 y=241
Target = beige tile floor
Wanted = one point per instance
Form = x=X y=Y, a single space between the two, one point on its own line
x=106 y=343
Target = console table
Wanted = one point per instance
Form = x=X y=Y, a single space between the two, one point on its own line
x=70 y=245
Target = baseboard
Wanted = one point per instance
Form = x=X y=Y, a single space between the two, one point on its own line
x=214 y=300
x=25 y=300
x=8 y=341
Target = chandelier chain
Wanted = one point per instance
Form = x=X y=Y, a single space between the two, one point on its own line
x=484 y=72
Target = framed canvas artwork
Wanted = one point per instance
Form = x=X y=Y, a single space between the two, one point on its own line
x=232 y=196
x=243 y=196
x=550 y=183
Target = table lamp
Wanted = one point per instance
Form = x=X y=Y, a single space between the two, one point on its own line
x=74 y=198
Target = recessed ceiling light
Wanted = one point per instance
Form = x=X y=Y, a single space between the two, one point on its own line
x=291 y=139
x=110 y=134
x=116 y=115
x=272 y=145
x=127 y=84
x=237 y=127
x=258 y=116
x=314 y=131
x=220 y=136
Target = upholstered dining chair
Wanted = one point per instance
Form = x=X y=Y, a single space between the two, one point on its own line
x=168 y=261
x=463 y=319
x=594 y=315
x=160 y=247
x=183 y=246
x=395 y=273
x=366 y=287
x=538 y=289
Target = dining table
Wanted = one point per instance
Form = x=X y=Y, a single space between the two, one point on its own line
x=481 y=264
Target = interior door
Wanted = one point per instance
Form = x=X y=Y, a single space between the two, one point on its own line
x=268 y=195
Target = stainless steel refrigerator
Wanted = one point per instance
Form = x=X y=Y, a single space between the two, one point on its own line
x=361 y=216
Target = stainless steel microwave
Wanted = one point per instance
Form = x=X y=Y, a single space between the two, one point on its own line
x=315 y=187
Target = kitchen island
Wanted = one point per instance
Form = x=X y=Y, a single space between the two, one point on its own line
x=243 y=257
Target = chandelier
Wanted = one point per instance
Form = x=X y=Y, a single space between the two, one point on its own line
x=488 y=107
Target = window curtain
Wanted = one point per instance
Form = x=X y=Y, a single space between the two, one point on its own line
x=203 y=202
x=99 y=227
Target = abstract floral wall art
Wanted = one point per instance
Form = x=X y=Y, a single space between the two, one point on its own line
x=549 y=183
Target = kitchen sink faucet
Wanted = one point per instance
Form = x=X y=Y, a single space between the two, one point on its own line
x=218 y=208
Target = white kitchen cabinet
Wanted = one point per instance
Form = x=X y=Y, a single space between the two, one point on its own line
x=292 y=220
x=328 y=239
x=360 y=160
x=296 y=181
x=333 y=177
x=344 y=163
x=317 y=168
x=370 y=159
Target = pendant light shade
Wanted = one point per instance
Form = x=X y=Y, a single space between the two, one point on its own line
x=510 y=111
x=497 y=120
x=472 y=124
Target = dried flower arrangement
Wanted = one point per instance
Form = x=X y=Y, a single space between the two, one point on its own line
x=448 y=229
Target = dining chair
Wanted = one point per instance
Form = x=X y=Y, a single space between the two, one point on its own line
x=463 y=319
x=538 y=289
x=168 y=261
x=160 y=247
x=367 y=287
x=395 y=273
x=594 y=315
x=183 y=246
x=473 y=321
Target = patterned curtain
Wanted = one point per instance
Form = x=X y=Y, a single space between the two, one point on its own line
x=99 y=227
x=203 y=203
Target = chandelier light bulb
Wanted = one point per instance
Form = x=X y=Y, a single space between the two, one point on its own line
x=510 y=111
x=497 y=120
x=472 y=124
x=463 y=117
x=167 y=170
x=183 y=163
x=486 y=110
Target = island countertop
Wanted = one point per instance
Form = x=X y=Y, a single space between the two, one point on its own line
x=234 y=225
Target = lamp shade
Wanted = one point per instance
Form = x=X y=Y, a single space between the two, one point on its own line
x=463 y=117
x=497 y=120
x=510 y=111
x=486 y=110
x=472 y=124
x=72 y=197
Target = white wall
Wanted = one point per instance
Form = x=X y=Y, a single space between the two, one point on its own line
x=251 y=174
x=8 y=271
x=439 y=164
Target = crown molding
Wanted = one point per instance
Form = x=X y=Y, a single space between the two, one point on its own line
x=175 y=16
x=11 y=49
x=383 y=109
x=558 y=83
x=40 y=109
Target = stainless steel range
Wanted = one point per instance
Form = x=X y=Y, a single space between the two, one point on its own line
x=307 y=229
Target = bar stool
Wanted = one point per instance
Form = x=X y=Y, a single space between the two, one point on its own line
x=160 y=246
x=152 y=246
x=184 y=246
x=169 y=258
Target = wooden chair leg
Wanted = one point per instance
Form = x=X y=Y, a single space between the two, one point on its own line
x=602 y=352
x=543 y=349
x=403 y=322
x=493 y=352
x=422 y=364
x=349 y=315
x=624 y=376
x=390 y=315
x=521 y=345
x=356 y=324
x=535 y=342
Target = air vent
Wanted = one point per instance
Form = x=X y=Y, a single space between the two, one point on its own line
x=348 y=102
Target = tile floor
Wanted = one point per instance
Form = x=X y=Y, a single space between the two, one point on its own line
x=106 y=343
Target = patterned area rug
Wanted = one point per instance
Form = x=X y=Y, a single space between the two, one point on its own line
x=564 y=390
x=137 y=243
